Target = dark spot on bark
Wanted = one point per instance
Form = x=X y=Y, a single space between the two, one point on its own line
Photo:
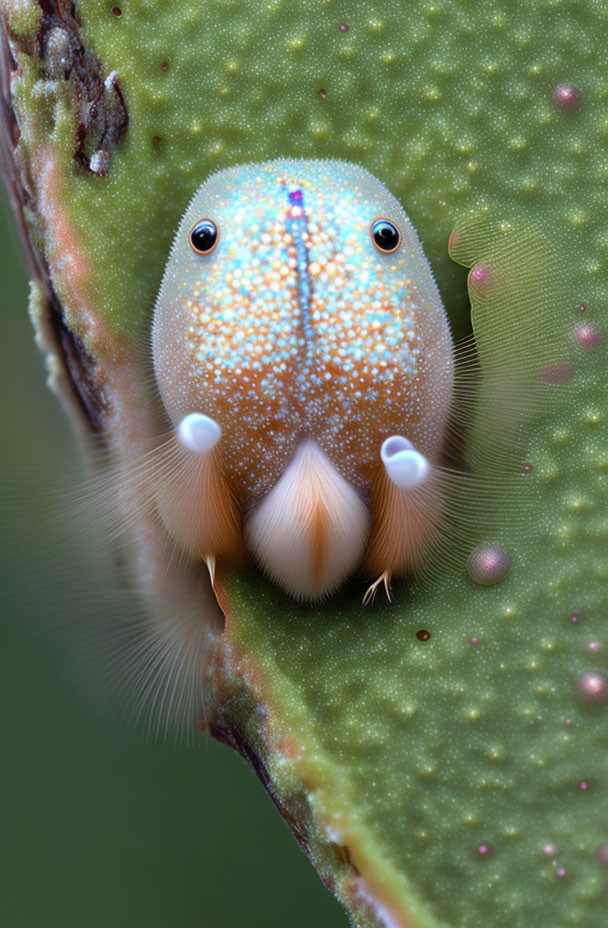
x=96 y=98
x=11 y=131
x=79 y=365
x=234 y=737
x=14 y=169
x=343 y=856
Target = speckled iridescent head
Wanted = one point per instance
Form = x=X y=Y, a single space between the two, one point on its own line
x=298 y=327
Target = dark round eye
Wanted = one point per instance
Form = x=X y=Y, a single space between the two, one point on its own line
x=204 y=236
x=385 y=236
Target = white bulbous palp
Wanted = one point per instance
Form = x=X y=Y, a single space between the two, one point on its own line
x=405 y=466
x=198 y=433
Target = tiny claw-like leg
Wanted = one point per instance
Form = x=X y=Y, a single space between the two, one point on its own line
x=370 y=595
x=406 y=506
x=195 y=500
x=210 y=562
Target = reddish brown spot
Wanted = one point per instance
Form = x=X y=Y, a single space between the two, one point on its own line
x=587 y=335
x=323 y=94
x=557 y=373
x=164 y=65
x=485 y=849
x=567 y=96
x=156 y=139
x=478 y=275
x=423 y=634
x=116 y=11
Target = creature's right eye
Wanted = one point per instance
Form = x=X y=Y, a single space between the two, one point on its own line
x=204 y=236
x=385 y=236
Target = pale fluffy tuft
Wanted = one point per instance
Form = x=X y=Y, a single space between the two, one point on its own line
x=309 y=533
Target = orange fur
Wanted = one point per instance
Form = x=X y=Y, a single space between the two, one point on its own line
x=319 y=535
x=199 y=507
x=405 y=524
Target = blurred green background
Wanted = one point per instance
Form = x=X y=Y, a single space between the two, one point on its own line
x=99 y=828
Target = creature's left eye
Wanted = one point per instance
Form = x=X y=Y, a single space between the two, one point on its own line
x=204 y=236
x=385 y=236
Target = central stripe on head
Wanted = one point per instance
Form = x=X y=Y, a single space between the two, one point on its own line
x=297 y=226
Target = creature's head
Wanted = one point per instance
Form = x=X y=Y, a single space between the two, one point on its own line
x=298 y=327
